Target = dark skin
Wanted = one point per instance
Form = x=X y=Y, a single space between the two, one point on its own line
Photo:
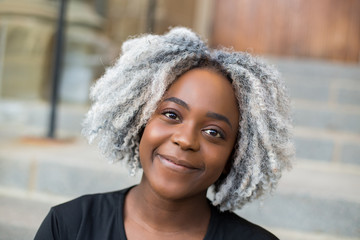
x=184 y=149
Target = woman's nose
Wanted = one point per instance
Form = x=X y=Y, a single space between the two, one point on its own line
x=186 y=137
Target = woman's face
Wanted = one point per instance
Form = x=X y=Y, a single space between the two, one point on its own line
x=188 y=141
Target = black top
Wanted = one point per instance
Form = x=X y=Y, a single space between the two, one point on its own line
x=100 y=217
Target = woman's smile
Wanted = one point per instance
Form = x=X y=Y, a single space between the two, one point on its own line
x=176 y=164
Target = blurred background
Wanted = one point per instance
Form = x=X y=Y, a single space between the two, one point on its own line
x=315 y=45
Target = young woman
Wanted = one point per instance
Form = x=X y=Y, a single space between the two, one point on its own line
x=193 y=119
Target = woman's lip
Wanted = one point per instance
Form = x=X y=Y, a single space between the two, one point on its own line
x=175 y=163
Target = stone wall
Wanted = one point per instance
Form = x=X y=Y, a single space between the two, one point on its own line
x=27 y=39
x=26 y=30
x=27 y=35
x=130 y=17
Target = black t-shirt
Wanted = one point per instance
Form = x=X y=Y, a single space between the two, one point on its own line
x=100 y=217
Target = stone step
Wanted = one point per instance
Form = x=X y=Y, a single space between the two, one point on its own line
x=18 y=118
x=20 y=217
x=58 y=168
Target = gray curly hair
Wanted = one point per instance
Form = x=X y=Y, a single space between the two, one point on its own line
x=126 y=96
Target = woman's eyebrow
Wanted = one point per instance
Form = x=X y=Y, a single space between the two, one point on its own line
x=216 y=116
x=178 y=101
x=219 y=117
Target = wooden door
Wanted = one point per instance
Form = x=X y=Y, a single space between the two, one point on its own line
x=327 y=29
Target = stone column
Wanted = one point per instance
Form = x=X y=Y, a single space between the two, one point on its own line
x=27 y=29
x=26 y=34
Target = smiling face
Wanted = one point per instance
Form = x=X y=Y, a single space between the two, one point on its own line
x=188 y=140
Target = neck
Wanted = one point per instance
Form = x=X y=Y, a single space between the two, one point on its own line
x=156 y=213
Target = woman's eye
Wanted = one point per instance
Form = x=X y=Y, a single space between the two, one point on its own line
x=171 y=115
x=214 y=133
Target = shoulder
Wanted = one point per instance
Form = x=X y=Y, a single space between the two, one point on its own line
x=92 y=206
x=232 y=226
x=85 y=202
x=81 y=215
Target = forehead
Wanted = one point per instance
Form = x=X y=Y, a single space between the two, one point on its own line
x=206 y=90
